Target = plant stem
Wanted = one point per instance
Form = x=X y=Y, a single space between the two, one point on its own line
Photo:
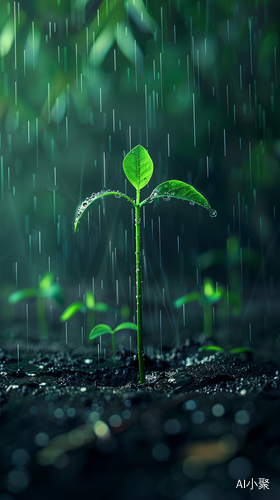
x=207 y=320
x=114 y=346
x=41 y=316
x=138 y=291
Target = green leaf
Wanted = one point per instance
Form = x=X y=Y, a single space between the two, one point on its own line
x=126 y=326
x=46 y=281
x=99 y=330
x=138 y=167
x=211 y=348
x=90 y=300
x=190 y=297
x=239 y=350
x=93 y=197
x=181 y=191
x=21 y=294
x=71 y=310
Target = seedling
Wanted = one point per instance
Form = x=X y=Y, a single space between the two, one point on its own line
x=233 y=258
x=90 y=305
x=206 y=298
x=138 y=168
x=102 y=329
x=47 y=289
x=236 y=350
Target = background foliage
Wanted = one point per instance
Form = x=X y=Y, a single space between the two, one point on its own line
x=82 y=82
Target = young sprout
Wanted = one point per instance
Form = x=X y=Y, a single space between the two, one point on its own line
x=233 y=257
x=138 y=168
x=90 y=305
x=236 y=350
x=206 y=299
x=101 y=329
x=47 y=289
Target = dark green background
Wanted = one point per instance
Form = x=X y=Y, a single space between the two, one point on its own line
x=53 y=74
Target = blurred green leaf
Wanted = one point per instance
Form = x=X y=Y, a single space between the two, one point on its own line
x=7 y=37
x=90 y=300
x=211 y=348
x=239 y=350
x=71 y=310
x=21 y=294
x=189 y=297
x=46 y=281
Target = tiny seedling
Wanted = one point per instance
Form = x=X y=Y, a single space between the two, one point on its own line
x=207 y=298
x=102 y=329
x=233 y=257
x=237 y=350
x=47 y=289
x=90 y=306
x=138 y=168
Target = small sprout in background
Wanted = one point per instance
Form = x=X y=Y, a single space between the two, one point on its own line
x=231 y=258
x=71 y=310
x=138 y=168
x=102 y=329
x=47 y=289
x=243 y=351
x=207 y=298
x=90 y=307
x=125 y=312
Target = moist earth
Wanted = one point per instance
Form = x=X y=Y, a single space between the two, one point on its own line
x=75 y=427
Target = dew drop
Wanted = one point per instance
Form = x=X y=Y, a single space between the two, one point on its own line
x=212 y=212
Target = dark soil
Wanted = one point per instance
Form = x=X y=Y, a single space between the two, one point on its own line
x=73 y=429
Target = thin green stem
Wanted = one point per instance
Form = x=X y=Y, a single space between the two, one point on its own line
x=207 y=320
x=138 y=290
x=41 y=316
x=114 y=346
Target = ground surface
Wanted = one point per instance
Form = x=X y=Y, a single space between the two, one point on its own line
x=73 y=429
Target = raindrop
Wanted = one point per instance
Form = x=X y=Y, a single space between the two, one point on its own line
x=118 y=195
x=212 y=212
x=192 y=203
x=166 y=198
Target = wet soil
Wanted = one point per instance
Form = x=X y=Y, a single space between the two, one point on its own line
x=76 y=427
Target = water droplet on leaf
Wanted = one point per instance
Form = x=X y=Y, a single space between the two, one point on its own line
x=212 y=212
x=166 y=198
x=192 y=203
